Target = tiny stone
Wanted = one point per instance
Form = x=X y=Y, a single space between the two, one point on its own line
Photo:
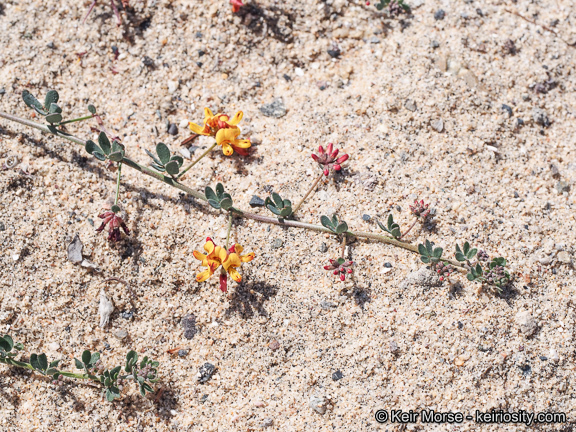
x=121 y=334
x=127 y=315
x=554 y=355
x=182 y=352
x=206 y=372
x=507 y=109
x=201 y=53
x=410 y=105
x=540 y=117
x=189 y=324
x=334 y=53
x=439 y=15
x=526 y=323
x=2 y=226
x=274 y=345
x=543 y=358
x=50 y=45
x=327 y=305
x=516 y=195
x=275 y=109
x=287 y=77
x=562 y=186
x=519 y=122
x=387 y=265
x=148 y=62
x=185 y=153
x=54 y=346
x=267 y=422
x=75 y=250
x=277 y=244
x=366 y=217
x=318 y=404
x=337 y=375
x=437 y=125
x=434 y=44
x=374 y=40
x=554 y=171
x=256 y=201
x=323 y=248
x=393 y=347
x=2 y=91
x=173 y=129
x=564 y=257
x=172 y=86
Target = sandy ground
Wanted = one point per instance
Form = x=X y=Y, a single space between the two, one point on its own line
x=278 y=338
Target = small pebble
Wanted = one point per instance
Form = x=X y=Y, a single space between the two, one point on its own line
x=334 y=53
x=256 y=201
x=54 y=346
x=274 y=345
x=562 y=186
x=267 y=422
x=287 y=77
x=507 y=109
x=393 y=347
x=387 y=265
x=127 y=315
x=205 y=372
x=185 y=153
x=336 y=376
x=434 y=44
x=121 y=334
x=410 y=105
x=189 y=325
x=564 y=257
x=182 y=352
x=148 y=62
x=554 y=355
x=439 y=14
x=2 y=226
x=327 y=305
x=51 y=45
x=323 y=248
x=318 y=404
x=366 y=217
x=277 y=244
x=173 y=129
x=374 y=40
x=274 y=109
x=437 y=125
x=540 y=117
x=543 y=358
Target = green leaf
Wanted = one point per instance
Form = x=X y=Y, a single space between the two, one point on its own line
x=6 y=343
x=92 y=109
x=459 y=254
x=79 y=364
x=424 y=259
x=114 y=372
x=172 y=167
x=429 y=250
x=51 y=98
x=226 y=203
x=91 y=147
x=104 y=143
x=154 y=158
x=55 y=109
x=179 y=160
x=342 y=227
x=158 y=167
x=471 y=253
x=210 y=195
x=99 y=156
x=54 y=118
x=116 y=156
x=470 y=277
x=116 y=147
x=19 y=346
x=86 y=356
x=340 y=261
x=142 y=390
x=110 y=396
x=163 y=153
x=34 y=362
x=422 y=250
x=32 y=102
x=54 y=363
x=148 y=388
x=219 y=190
x=43 y=361
x=51 y=371
x=94 y=358
x=143 y=362
x=273 y=209
x=268 y=202
x=155 y=364
x=500 y=261
x=286 y=211
x=277 y=200
x=438 y=252
x=334 y=221
x=214 y=204
x=326 y=222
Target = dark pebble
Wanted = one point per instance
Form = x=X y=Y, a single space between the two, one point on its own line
x=148 y=62
x=256 y=201
x=51 y=45
x=434 y=44
x=460 y=325
x=2 y=226
x=526 y=369
x=479 y=12
x=516 y=195
x=507 y=109
x=323 y=248
x=173 y=129
x=189 y=324
x=199 y=64
x=106 y=346
x=387 y=265
x=439 y=14
x=201 y=53
x=366 y=217
x=543 y=358
x=182 y=352
x=274 y=109
x=2 y=91
x=203 y=398
x=519 y=122
x=206 y=372
x=394 y=347
x=287 y=77
x=199 y=35
x=334 y=53
x=337 y=375
x=127 y=315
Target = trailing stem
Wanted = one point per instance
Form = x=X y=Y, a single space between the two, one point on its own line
x=312 y=189
x=179 y=176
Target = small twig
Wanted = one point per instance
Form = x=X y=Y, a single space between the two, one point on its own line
x=159 y=394
x=411 y=226
x=118 y=183
x=196 y=161
x=229 y=229
x=308 y=193
x=343 y=246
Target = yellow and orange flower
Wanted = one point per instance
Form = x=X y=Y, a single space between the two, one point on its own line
x=224 y=129
x=218 y=256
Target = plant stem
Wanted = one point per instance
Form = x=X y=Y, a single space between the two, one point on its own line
x=197 y=160
x=118 y=183
x=308 y=193
x=411 y=226
x=343 y=246
x=75 y=120
x=229 y=229
x=265 y=219
x=12 y=362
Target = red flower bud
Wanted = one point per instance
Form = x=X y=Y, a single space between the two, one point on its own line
x=327 y=267
x=342 y=277
x=223 y=282
x=329 y=148
x=335 y=272
x=321 y=150
x=334 y=153
x=441 y=278
x=342 y=159
x=315 y=157
x=337 y=167
x=326 y=172
x=349 y=270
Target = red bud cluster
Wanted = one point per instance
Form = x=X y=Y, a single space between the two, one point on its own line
x=115 y=223
x=329 y=159
x=340 y=267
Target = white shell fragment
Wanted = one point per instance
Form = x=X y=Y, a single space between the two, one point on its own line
x=105 y=309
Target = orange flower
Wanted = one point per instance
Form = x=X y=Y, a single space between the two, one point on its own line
x=218 y=256
x=224 y=129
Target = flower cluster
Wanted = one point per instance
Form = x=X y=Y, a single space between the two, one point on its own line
x=483 y=256
x=218 y=256
x=236 y=5
x=115 y=222
x=340 y=267
x=444 y=270
x=328 y=160
x=497 y=276
x=225 y=130
x=419 y=209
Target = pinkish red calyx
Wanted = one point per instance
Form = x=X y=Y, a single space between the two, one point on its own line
x=329 y=158
x=114 y=223
x=340 y=267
